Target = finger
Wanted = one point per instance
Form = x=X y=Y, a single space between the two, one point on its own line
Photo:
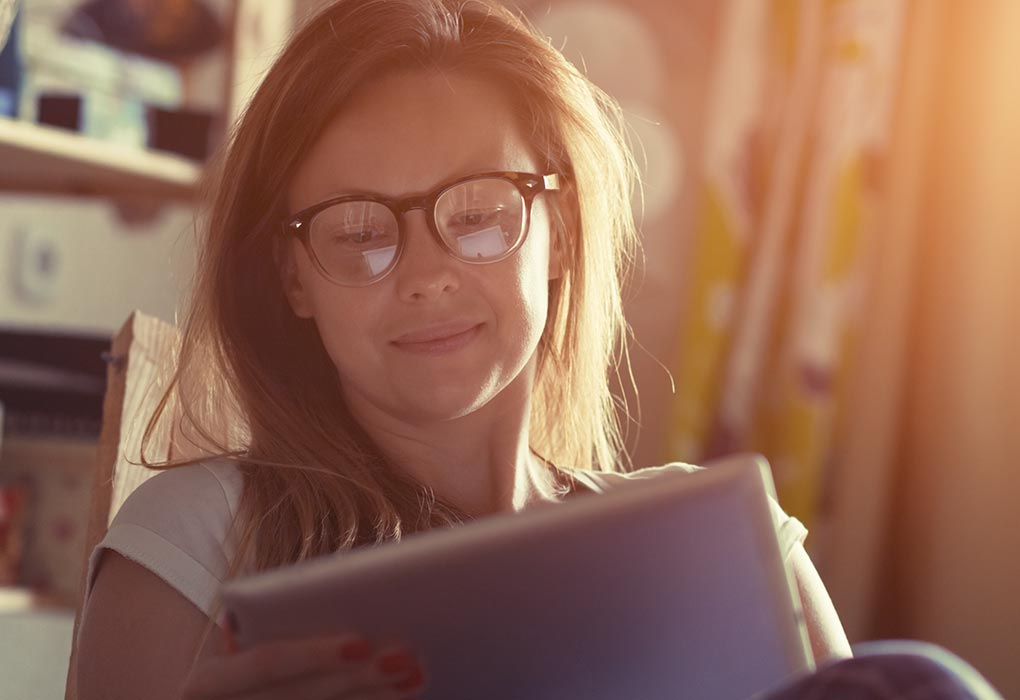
x=373 y=680
x=393 y=674
x=386 y=690
x=272 y=663
x=353 y=684
x=401 y=669
x=381 y=694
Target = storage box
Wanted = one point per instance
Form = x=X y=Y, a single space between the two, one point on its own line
x=112 y=87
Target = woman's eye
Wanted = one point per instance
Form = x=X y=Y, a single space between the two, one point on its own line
x=476 y=217
x=358 y=237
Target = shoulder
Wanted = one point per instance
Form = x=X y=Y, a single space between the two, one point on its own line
x=183 y=503
x=177 y=524
x=602 y=481
x=213 y=484
x=789 y=530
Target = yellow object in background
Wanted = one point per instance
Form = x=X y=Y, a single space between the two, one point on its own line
x=800 y=110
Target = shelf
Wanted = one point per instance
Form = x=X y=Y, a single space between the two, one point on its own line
x=43 y=159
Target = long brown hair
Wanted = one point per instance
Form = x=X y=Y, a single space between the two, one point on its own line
x=314 y=483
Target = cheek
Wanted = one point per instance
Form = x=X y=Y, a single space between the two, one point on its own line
x=535 y=253
x=346 y=318
x=532 y=280
x=346 y=335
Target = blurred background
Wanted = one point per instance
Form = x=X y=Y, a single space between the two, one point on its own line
x=831 y=225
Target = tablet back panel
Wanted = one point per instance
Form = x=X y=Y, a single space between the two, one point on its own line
x=671 y=587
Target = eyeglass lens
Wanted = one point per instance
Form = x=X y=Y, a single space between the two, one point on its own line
x=479 y=220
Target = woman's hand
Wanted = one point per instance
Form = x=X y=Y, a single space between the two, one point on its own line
x=327 y=668
x=138 y=639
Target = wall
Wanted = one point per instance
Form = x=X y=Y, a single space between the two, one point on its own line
x=953 y=572
x=102 y=268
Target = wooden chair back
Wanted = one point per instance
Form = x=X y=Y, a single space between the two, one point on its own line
x=138 y=367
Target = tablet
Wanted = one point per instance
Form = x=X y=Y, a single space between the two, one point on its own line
x=662 y=588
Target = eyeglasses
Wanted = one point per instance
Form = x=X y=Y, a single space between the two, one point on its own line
x=356 y=240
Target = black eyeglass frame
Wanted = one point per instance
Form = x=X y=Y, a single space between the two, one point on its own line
x=528 y=185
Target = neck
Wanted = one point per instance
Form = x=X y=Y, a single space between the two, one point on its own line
x=481 y=462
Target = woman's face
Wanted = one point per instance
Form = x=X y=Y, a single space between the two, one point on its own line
x=404 y=135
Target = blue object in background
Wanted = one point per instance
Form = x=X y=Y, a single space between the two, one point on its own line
x=11 y=70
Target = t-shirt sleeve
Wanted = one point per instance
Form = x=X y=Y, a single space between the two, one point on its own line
x=789 y=530
x=174 y=524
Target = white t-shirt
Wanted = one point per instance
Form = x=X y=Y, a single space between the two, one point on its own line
x=176 y=524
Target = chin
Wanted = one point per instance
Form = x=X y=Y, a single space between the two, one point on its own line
x=443 y=402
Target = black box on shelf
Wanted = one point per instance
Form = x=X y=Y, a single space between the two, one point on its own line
x=185 y=132
x=61 y=111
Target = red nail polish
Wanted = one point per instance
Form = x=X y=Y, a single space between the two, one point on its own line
x=356 y=650
x=395 y=662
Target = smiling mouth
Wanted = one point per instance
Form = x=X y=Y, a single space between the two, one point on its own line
x=440 y=345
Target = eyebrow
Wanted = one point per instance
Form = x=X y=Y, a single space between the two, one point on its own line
x=467 y=172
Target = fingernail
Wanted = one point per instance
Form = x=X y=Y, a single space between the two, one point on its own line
x=395 y=662
x=356 y=650
x=412 y=681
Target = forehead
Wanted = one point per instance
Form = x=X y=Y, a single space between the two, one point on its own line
x=408 y=132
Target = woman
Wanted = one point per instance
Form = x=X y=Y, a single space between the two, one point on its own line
x=410 y=295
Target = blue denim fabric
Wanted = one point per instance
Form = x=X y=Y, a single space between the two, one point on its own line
x=891 y=670
x=11 y=69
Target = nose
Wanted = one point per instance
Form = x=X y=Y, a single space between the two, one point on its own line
x=426 y=271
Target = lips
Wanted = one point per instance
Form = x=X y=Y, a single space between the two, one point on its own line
x=435 y=332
